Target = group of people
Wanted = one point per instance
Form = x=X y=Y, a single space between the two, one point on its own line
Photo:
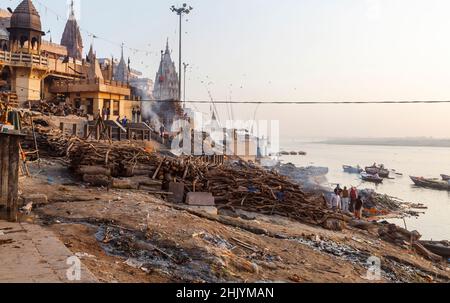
x=136 y=115
x=136 y=112
x=123 y=122
x=347 y=200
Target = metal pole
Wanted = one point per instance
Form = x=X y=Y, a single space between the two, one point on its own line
x=179 y=62
x=184 y=87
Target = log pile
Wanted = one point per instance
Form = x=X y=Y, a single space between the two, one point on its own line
x=235 y=186
x=407 y=239
x=54 y=108
x=50 y=139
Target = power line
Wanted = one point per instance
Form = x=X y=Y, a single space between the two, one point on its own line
x=215 y=102
x=308 y=102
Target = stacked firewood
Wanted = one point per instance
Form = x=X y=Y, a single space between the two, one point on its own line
x=406 y=239
x=237 y=185
x=123 y=159
x=54 y=108
x=50 y=139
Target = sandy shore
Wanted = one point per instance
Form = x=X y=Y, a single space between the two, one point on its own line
x=131 y=236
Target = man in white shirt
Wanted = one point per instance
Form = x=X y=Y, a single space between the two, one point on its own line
x=336 y=201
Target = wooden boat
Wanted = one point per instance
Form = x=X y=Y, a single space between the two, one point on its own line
x=378 y=170
x=445 y=177
x=439 y=248
x=371 y=178
x=352 y=169
x=431 y=183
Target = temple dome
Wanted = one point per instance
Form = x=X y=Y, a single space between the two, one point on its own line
x=25 y=16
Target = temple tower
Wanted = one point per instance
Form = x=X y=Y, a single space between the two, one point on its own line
x=25 y=39
x=122 y=73
x=71 y=37
x=166 y=83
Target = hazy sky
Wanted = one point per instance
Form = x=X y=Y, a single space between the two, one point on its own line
x=291 y=50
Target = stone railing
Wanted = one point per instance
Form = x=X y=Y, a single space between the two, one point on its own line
x=22 y=59
x=96 y=81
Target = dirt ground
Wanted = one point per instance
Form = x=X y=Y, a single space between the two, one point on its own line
x=131 y=236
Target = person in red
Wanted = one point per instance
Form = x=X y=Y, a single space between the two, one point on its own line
x=353 y=197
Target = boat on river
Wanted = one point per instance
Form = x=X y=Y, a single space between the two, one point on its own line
x=441 y=248
x=431 y=183
x=352 y=169
x=371 y=178
x=445 y=177
x=378 y=170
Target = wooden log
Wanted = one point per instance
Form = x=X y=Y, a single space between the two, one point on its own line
x=124 y=184
x=98 y=180
x=94 y=170
x=426 y=253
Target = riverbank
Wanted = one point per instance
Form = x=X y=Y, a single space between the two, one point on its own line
x=131 y=236
x=428 y=162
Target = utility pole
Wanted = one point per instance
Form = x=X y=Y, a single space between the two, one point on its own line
x=180 y=11
x=185 y=65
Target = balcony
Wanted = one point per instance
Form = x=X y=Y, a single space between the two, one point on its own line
x=90 y=85
x=23 y=60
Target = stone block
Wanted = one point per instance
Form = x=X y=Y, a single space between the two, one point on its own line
x=178 y=192
x=200 y=199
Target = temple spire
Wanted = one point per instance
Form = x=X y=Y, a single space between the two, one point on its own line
x=72 y=38
x=72 y=10
x=91 y=54
x=167 y=46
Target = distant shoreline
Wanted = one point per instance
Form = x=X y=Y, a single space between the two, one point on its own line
x=445 y=143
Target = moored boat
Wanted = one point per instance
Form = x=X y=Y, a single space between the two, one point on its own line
x=371 y=178
x=377 y=170
x=445 y=177
x=352 y=169
x=431 y=183
x=439 y=248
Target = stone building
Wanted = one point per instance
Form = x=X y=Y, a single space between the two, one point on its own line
x=166 y=106
x=5 y=19
x=34 y=69
x=71 y=37
x=166 y=82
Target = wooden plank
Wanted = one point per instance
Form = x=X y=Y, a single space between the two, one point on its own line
x=13 y=178
x=4 y=172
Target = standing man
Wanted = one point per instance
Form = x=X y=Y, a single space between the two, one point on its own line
x=345 y=199
x=133 y=118
x=335 y=201
x=353 y=197
x=162 y=130
x=138 y=113
x=124 y=121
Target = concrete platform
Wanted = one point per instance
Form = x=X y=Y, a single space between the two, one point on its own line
x=31 y=254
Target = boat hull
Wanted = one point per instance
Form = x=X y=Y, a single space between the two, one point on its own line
x=371 y=178
x=431 y=183
x=352 y=170
x=383 y=173
x=439 y=248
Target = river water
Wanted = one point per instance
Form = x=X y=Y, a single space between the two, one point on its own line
x=410 y=161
